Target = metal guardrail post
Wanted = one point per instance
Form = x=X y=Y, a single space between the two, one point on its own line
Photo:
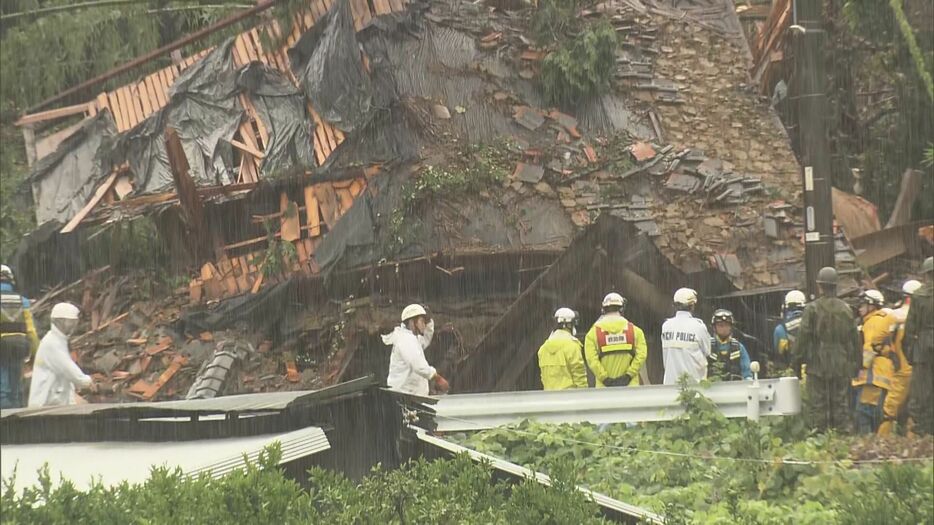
x=752 y=394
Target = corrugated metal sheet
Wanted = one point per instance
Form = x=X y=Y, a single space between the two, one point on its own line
x=113 y=462
x=265 y=402
x=294 y=445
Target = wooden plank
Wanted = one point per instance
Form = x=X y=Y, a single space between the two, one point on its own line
x=247 y=148
x=396 y=5
x=300 y=250
x=154 y=101
x=137 y=101
x=143 y=90
x=166 y=376
x=153 y=88
x=250 y=48
x=328 y=203
x=239 y=57
x=382 y=7
x=53 y=114
x=125 y=108
x=166 y=82
x=312 y=212
x=98 y=195
x=258 y=283
x=102 y=102
x=290 y=223
x=260 y=126
x=123 y=186
x=258 y=45
x=346 y=199
x=247 y=272
x=240 y=273
x=342 y=184
x=113 y=103
x=132 y=110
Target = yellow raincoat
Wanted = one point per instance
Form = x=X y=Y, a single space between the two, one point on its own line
x=876 y=375
x=561 y=362
x=614 y=347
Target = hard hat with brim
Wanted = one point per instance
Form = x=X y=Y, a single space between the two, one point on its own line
x=65 y=311
x=412 y=310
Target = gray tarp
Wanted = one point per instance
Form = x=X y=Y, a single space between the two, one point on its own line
x=281 y=107
x=327 y=62
x=206 y=113
x=63 y=181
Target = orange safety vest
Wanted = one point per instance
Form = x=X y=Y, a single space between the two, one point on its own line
x=609 y=343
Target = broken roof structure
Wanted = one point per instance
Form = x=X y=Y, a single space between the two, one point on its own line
x=679 y=174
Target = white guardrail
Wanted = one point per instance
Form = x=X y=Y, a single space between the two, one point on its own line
x=749 y=399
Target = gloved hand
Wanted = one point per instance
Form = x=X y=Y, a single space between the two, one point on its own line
x=618 y=381
x=442 y=384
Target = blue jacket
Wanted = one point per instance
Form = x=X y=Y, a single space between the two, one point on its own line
x=786 y=332
x=733 y=357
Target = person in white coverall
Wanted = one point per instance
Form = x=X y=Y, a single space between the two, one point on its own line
x=685 y=341
x=409 y=371
x=55 y=374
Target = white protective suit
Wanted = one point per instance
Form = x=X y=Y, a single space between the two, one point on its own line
x=685 y=347
x=54 y=374
x=409 y=371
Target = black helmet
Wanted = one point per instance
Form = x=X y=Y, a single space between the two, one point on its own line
x=722 y=315
x=827 y=275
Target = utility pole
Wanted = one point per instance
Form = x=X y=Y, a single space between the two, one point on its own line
x=811 y=103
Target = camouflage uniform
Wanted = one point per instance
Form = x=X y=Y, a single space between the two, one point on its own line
x=919 y=345
x=829 y=344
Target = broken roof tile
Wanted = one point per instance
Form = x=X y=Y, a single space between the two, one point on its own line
x=642 y=151
x=530 y=173
x=528 y=117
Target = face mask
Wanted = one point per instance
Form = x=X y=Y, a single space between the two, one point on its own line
x=66 y=326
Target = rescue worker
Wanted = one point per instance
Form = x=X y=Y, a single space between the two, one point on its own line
x=828 y=344
x=615 y=347
x=561 y=358
x=786 y=333
x=685 y=341
x=18 y=340
x=54 y=374
x=874 y=380
x=919 y=343
x=896 y=401
x=409 y=371
x=729 y=359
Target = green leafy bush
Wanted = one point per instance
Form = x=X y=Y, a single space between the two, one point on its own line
x=580 y=67
x=705 y=468
x=454 y=491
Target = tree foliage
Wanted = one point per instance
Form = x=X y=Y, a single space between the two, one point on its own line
x=880 y=67
x=581 y=67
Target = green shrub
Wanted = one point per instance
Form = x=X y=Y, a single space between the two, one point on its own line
x=452 y=491
x=581 y=67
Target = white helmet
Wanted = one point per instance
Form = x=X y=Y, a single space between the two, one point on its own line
x=795 y=298
x=412 y=310
x=614 y=299
x=6 y=272
x=565 y=315
x=685 y=296
x=873 y=297
x=910 y=287
x=65 y=311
